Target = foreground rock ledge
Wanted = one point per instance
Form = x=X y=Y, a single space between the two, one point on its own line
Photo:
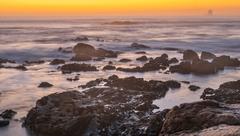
x=123 y=107
x=102 y=111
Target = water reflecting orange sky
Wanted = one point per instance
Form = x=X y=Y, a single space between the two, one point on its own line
x=122 y=7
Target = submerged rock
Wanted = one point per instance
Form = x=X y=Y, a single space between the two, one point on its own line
x=34 y=62
x=74 y=67
x=6 y=61
x=8 y=114
x=19 y=67
x=57 y=62
x=45 y=85
x=140 y=52
x=125 y=60
x=76 y=78
x=139 y=46
x=78 y=39
x=109 y=67
x=65 y=50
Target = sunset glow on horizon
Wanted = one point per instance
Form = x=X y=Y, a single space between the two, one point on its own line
x=123 y=7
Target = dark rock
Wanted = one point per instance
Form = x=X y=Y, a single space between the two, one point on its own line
x=78 y=39
x=139 y=46
x=110 y=63
x=45 y=85
x=197 y=116
x=183 y=68
x=170 y=49
x=97 y=111
x=207 y=55
x=85 y=52
x=203 y=67
x=35 y=62
x=190 y=55
x=4 y=123
x=125 y=60
x=8 y=114
x=143 y=58
x=173 y=60
x=76 y=78
x=109 y=67
x=146 y=68
x=141 y=52
x=228 y=93
x=199 y=67
x=74 y=67
x=57 y=62
x=132 y=83
x=185 y=82
x=231 y=85
x=20 y=67
x=6 y=61
x=173 y=84
x=84 y=49
x=81 y=58
x=223 y=61
x=153 y=65
x=193 y=87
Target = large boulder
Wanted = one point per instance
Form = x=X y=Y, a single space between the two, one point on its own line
x=85 y=52
x=190 y=55
x=207 y=55
x=197 y=116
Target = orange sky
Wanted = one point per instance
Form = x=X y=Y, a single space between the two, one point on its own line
x=118 y=7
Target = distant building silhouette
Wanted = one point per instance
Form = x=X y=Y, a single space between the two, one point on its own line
x=210 y=12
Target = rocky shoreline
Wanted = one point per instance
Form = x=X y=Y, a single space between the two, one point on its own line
x=124 y=106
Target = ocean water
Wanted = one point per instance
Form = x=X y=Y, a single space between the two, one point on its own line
x=31 y=39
